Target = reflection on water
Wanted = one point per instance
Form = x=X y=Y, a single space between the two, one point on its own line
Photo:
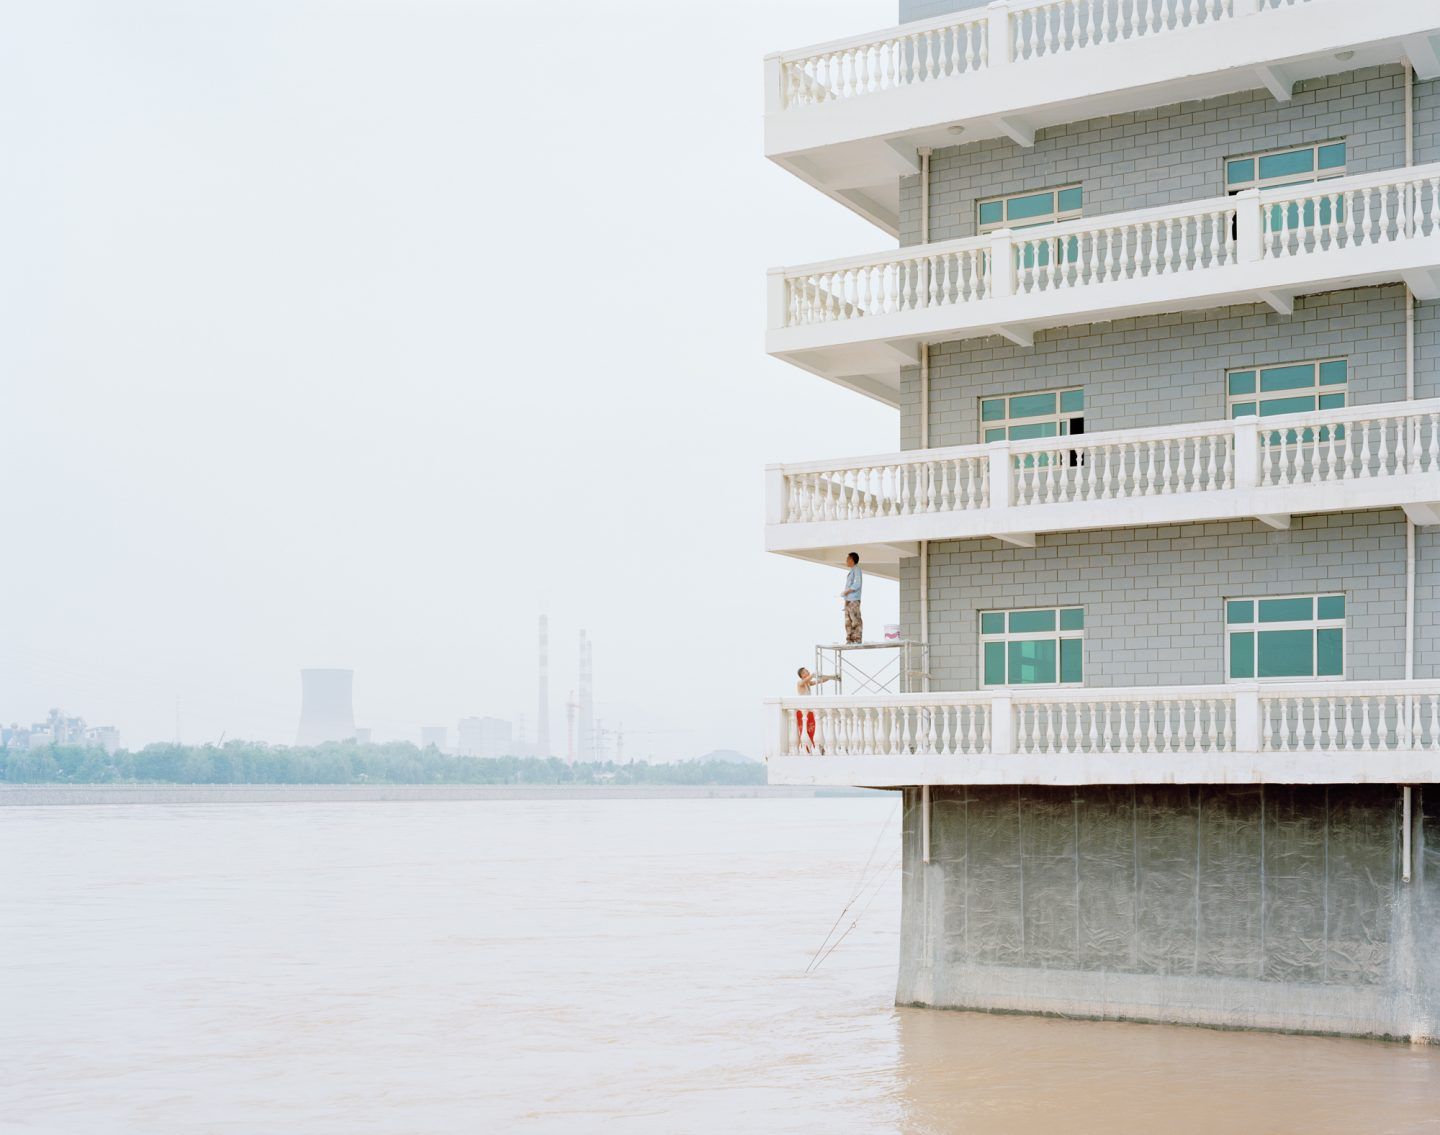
x=982 y=1073
x=554 y=967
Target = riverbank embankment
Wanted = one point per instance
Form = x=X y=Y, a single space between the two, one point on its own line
x=12 y=795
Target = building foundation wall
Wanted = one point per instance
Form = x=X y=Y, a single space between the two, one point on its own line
x=1275 y=907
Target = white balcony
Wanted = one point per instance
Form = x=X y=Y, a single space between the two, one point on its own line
x=1359 y=457
x=858 y=321
x=847 y=117
x=1255 y=733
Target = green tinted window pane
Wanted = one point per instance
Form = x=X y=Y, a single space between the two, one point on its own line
x=1332 y=401
x=1241 y=170
x=1071 y=652
x=1286 y=610
x=1242 y=655
x=1033 y=205
x=1028 y=622
x=1240 y=611
x=1287 y=378
x=992 y=212
x=992 y=409
x=1035 y=429
x=1242 y=382
x=1329 y=652
x=992 y=622
x=1071 y=199
x=1275 y=406
x=995 y=435
x=1032 y=405
x=994 y=663
x=1330 y=607
x=1332 y=156
x=1334 y=372
x=1285 y=654
x=1281 y=165
x=1242 y=409
x=1032 y=662
x=1072 y=619
x=1072 y=401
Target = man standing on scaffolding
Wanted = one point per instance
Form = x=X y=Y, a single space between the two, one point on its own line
x=854 y=581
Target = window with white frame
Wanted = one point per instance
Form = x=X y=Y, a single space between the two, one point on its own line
x=1038 y=646
x=1026 y=210
x=1031 y=210
x=1050 y=413
x=1293 y=636
x=1297 y=165
x=1292 y=388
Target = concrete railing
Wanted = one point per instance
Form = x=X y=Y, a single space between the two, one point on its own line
x=1289 y=717
x=1322 y=448
x=980 y=39
x=1188 y=239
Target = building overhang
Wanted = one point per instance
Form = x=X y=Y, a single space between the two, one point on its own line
x=859 y=321
x=856 y=148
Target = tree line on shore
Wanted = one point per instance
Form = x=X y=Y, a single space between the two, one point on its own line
x=244 y=762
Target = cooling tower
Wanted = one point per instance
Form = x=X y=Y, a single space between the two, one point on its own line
x=542 y=719
x=327 y=711
x=587 y=701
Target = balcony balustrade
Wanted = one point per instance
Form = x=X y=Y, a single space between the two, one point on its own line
x=1358 y=457
x=1292 y=732
x=848 y=116
x=858 y=320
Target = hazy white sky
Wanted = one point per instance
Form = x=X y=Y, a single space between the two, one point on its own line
x=358 y=333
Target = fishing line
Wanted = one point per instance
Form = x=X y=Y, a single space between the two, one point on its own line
x=860 y=884
x=873 y=895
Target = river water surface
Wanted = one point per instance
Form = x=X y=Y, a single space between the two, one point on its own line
x=561 y=966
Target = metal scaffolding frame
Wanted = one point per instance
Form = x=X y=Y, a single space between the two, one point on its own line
x=853 y=663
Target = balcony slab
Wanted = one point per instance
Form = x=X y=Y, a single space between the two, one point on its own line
x=866 y=353
x=1310 y=767
x=855 y=149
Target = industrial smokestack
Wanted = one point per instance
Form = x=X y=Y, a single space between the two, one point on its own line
x=542 y=720
x=587 y=701
x=327 y=710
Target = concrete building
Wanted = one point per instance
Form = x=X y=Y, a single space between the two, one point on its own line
x=106 y=737
x=484 y=737
x=327 y=707
x=1162 y=336
x=58 y=729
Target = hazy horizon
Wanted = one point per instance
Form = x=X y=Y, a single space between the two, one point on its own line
x=359 y=335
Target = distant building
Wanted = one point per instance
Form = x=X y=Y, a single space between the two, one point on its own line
x=58 y=729
x=106 y=737
x=484 y=737
x=433 y=735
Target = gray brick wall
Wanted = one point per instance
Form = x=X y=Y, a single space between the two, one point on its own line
x=1153 y=596
x=925 y=9
x=1168 y=154
x=1170 y=369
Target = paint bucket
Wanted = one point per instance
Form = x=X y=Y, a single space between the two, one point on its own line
x=892 y=632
